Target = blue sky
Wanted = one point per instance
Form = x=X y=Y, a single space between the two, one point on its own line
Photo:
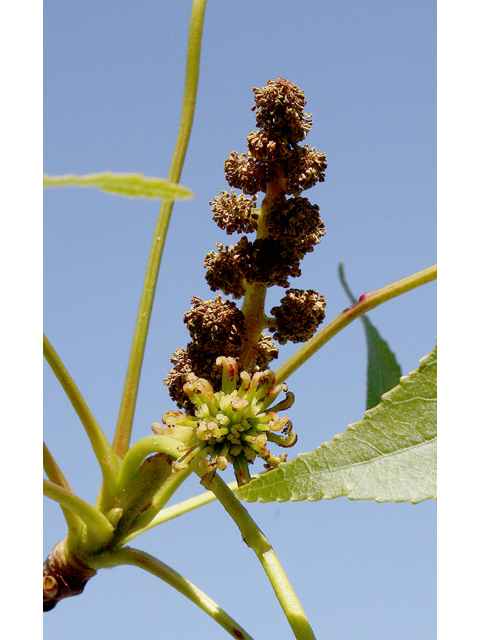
x=113 y=83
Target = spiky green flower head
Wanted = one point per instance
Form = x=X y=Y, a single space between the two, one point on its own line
x=233 y=425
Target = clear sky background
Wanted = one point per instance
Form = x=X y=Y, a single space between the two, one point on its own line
x=113 y=82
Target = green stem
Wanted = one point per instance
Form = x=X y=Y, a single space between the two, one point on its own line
x=99 y=530
x=257 y=541
x=137 y=558
x=103 y=451
x=55 y=475
x=255 y=321
x=255 y=293
x=366 y=302
x=127 y=408
x=139 y=451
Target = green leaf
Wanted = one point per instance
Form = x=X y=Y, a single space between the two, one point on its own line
x=389 y=455
x=122 y=184
x=383 y=371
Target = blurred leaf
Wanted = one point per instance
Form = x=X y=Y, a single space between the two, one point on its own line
x=389 y=455
x=383 y=371
x=123 y=184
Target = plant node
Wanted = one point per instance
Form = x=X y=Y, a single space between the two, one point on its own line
x=63 y=576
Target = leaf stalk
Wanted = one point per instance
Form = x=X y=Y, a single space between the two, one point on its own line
x=55 y=475
x=143 y=560
x=104 y=453
x=256 y=540
x=367 y=302
x=127 y=407
x=98 y=528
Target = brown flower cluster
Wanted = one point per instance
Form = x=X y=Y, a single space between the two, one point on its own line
x=265 y=260
x=291 y=226
x=273 y=150
x=215 y=324
x=279 y=111
x=235 y=213
x=287 y=227
x=298 y=316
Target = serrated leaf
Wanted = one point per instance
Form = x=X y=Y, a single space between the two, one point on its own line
x=123 y=184
x=383 y=371
x=389 y=455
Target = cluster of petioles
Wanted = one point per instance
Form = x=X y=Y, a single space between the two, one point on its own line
x=228 y=343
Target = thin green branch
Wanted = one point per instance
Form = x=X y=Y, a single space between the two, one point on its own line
x=161 y=488
x=190 y=90
x=367 y=302
x=143 y=560
x=99 y=529
x=179 y=509
x=103 y=451
x=256 y=540
x=127 y=408
x=160 y=499
x=55 y=475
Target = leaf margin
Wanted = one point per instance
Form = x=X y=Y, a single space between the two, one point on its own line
x=266 y=479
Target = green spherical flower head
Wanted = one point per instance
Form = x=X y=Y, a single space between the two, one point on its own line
x=233 y=425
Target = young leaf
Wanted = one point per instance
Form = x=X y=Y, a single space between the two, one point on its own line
x=383 y=371
x=122 y=184
x=389 y=455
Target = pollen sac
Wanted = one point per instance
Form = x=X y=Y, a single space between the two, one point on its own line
x=247 y=173
x=297 y=220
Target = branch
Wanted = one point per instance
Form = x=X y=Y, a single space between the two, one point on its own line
x=139 y=451
x=366 y=302
x=179 y=509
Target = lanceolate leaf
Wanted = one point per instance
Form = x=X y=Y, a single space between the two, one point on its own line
x=122 y=184
x=383 y=371
x=389 y=455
